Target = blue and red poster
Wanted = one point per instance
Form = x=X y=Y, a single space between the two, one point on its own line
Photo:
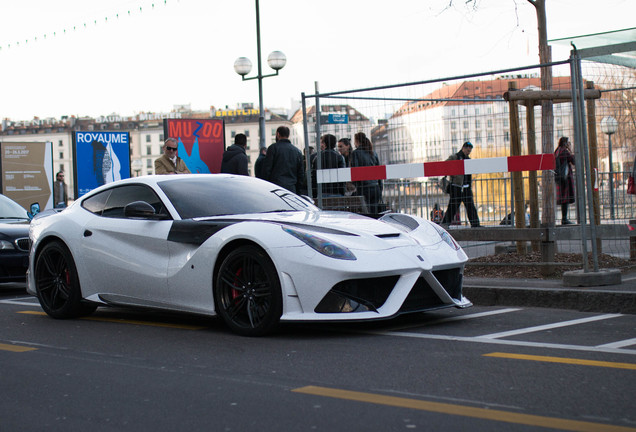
x=100 y=158
x=201 y=142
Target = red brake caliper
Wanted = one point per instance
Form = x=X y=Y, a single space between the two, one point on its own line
x=236 y=293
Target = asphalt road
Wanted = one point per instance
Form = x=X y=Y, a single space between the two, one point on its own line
x=479 y=369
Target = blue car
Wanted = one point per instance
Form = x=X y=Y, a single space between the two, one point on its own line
x=14 y=241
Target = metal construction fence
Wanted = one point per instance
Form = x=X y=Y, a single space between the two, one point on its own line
x=500 y=113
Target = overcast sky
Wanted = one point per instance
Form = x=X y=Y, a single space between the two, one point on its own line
x=156 y=54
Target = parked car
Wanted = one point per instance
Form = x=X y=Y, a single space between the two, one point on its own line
x=239 y=247
x=14 y=241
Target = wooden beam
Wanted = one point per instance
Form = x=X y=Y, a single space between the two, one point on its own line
x=555 y=95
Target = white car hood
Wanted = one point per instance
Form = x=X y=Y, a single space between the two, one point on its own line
x=365 y=233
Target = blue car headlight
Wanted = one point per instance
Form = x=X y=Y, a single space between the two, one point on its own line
x=325 y=247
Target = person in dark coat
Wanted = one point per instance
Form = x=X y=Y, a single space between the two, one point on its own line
x=283 y=164
x=235 y=158
x=565 y=187
x=461 y=191
x=362 y=156
x=329 y=159
x=258 y=165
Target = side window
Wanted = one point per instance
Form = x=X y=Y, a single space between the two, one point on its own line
x=96 y=203
x=124 y=195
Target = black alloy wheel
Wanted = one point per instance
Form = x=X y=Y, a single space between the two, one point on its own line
x=57 y=283
x=248 y=293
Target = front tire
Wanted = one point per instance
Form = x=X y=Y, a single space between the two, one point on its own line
x=57 y=283
x=248 y=293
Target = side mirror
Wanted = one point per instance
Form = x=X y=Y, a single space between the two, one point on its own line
x=142 y=210
x=35 y=209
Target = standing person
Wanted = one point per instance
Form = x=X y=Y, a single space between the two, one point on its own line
x=329 y=159
x=283 y=164
x=461 y=191
x=362 y=156
x=258 y=165
x=60 y=195
x=344 y=148
x=235 y=158
x=564 y=158
x=169 y=162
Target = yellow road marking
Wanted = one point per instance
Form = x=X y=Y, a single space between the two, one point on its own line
x=631 y=366
x=465 y=411
x=15 y=348
x=125 y=321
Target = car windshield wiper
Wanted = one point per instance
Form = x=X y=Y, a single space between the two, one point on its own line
x=14 y=217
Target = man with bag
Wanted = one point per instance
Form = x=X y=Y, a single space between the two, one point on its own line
x=461 y=191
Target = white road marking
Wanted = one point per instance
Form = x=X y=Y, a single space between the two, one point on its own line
x=456 y=318
x=479 y=339
x=619 y=344
x=21 y=303
x=549 y=326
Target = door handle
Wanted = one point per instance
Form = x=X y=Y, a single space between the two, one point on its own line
x=88 y=233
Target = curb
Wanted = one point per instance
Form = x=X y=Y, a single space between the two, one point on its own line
x=582 y=299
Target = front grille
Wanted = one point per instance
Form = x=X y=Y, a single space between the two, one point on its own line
x=423 y=297
x=370 y=293
x=451 y=280
x=24 y=244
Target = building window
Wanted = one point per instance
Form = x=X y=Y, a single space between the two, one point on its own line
x=60 y=143
x=147 y=138
x=465 y=124
x=148 y=163
x=61 y=167
x=232 y=134
x=505 y=122
x=489 y=123
x=490 y=137
x=148 y=150
x=247 y=133
x=477 y=123
x=61 y=155
x=506 y=136
x=160 y=137
x=453 y=125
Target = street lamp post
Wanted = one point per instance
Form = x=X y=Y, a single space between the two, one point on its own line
x=242 y=66
x=609 y=125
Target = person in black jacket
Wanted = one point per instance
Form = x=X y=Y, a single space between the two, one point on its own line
x=258 y=165
x=235 y=158
x=362 y=156
x=461 y=191
x=283 y=164
x=329 y=159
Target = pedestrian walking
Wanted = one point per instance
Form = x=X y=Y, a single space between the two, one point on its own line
x=461 y=191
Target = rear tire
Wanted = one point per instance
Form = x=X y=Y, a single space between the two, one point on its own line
x=248 y=293
x=57 y=283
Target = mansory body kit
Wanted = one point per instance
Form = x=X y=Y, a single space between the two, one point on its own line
x=239 y=247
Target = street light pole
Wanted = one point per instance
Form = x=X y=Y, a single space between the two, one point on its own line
x=242 y=66
x=609 y=125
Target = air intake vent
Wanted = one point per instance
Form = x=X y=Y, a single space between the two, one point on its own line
x=23 y=244
x=393 y=235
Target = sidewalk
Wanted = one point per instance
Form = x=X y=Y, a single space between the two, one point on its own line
x=551 y=293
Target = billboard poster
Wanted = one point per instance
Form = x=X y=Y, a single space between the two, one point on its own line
x=27 y=172
x=200 y=142
x=100 y=158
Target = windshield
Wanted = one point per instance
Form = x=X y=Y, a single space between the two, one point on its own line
x=10 y=209
x=219 y=196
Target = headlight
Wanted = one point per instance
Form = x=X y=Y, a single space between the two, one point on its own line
x=448 y=239
x=325 y=247
x=5 y=245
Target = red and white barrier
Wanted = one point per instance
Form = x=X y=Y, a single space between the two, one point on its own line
x=439 y=169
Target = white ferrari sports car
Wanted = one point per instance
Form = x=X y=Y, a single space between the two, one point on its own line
x=239 y=247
